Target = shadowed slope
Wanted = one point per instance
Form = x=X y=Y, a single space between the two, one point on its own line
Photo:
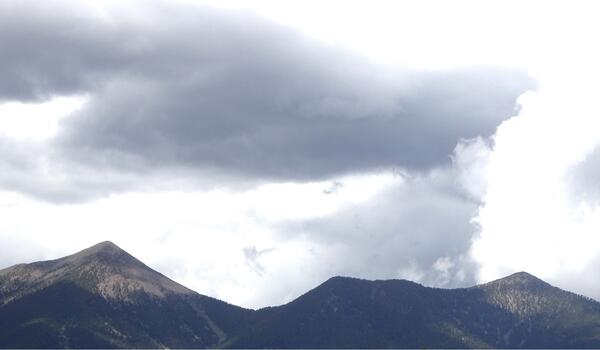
x=103 y=297
x=514 y=312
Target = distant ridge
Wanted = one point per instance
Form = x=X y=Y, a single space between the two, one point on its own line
x=102 y=297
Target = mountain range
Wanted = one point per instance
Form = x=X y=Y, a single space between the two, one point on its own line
x=102 y=297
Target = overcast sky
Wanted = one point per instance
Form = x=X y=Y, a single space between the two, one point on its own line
x=250 y=151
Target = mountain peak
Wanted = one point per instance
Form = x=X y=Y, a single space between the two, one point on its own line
x=103 y=247
x=103 y=268
x=521 y=294
x=520 y=279
x=521 y=275
x=106 y=251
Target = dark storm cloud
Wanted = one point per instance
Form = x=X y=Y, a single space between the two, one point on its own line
x=293 y=121
x=213 y=94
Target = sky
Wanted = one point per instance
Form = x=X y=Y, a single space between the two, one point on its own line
x=252 y=150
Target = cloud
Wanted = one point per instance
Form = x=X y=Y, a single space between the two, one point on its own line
x=416 y=228
x=258 y=248
x=304 y=123
x=253 y=255
x=540 y=209
x=583 y=178
x=256 y=152
x=381 y=226
x=471 y=164
x=334 y=187
x=226 y=98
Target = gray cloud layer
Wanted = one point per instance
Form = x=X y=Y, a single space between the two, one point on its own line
x=418 y=229
x=261 y=123
x=217 y=95
x=183 y=96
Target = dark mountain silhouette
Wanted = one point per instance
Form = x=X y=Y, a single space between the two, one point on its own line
x=519 y=311
x=103 y=297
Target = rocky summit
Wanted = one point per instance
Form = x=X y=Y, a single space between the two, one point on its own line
x=102 y=297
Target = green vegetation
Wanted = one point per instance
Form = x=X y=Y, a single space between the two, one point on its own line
x=105 y=298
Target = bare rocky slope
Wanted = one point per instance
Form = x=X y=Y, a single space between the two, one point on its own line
x=102 y=297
